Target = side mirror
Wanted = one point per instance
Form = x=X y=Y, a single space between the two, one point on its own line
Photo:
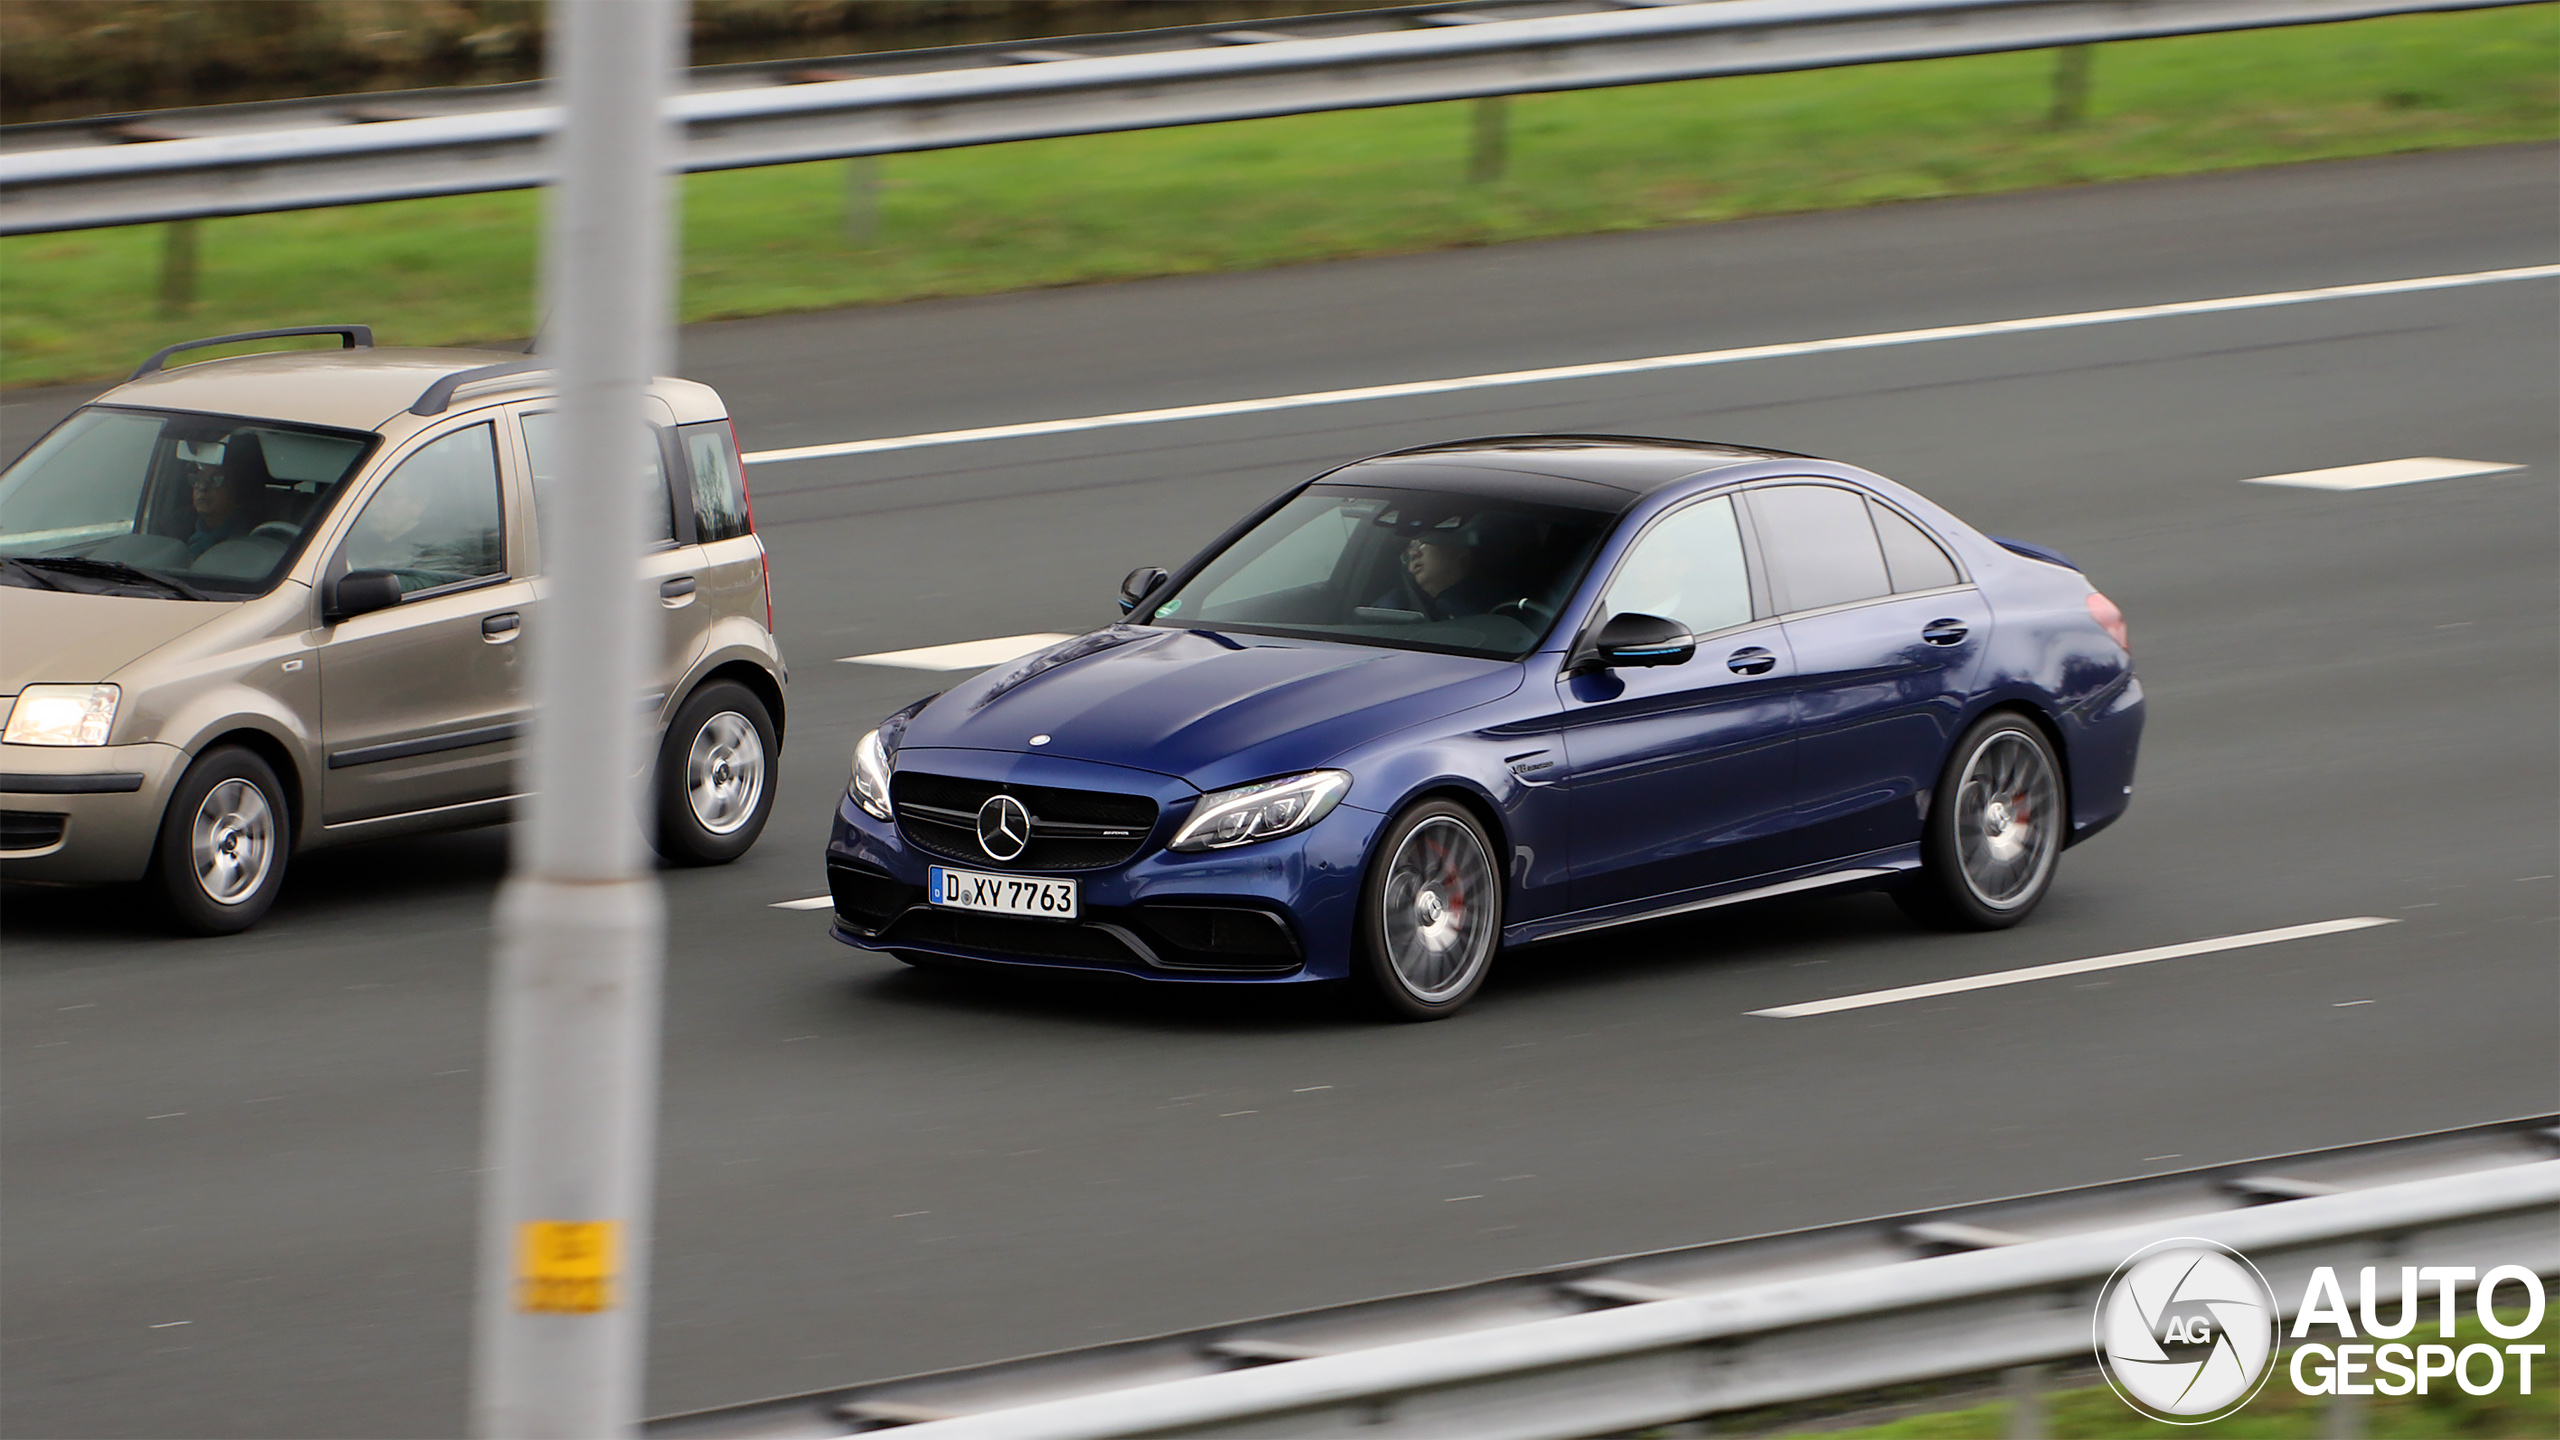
x=1635 y=640
x=361 y=592
x=1140 y=583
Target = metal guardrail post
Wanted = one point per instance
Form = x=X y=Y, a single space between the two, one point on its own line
x=2024 y=1385
x=572 y=1100
x=2070 y=87
x=862 y=201
x=178 y=267
x=1491 y=151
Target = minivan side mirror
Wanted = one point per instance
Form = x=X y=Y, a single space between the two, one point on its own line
x=361 y=592
x=1140 y=583
x=1636 y=640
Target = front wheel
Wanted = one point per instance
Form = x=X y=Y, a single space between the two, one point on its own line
x=223 y=844
x=715 y=775
x=1430 y=913
x=1994 y=831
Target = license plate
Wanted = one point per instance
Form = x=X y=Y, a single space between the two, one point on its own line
x=1002 y=894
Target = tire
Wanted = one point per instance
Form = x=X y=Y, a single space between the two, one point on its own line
x=1430 y=913
x=717 y=768
x=224 y=841
x=1994 y=834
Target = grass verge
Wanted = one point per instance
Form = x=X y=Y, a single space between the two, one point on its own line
x=83 y=305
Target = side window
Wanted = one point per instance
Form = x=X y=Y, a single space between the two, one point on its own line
x=1302 y=558
x=1687 y=568
x=436 y=520
x=719 y=482
x=543 y=451
x=1910 y=556
x=1820 y=546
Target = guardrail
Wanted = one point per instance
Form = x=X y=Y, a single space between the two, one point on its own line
x=1654 y=1339
x=64 y=177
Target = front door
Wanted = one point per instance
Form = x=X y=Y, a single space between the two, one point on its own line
x=1680 y=775
x=419 y=703
x=1887 y=640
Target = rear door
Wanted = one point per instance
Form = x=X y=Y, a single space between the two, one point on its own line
x=420 y=703
x=1886 y=636
x=731 y=581
x=671 y=565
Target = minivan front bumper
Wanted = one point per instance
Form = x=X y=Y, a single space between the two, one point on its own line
x=82 y=813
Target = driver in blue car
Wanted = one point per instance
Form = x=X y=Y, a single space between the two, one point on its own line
x=1443 y=568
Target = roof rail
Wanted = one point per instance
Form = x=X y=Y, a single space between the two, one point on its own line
x=439 y=396
x=351 y=337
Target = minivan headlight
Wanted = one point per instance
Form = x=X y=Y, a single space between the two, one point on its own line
x=871 y=776
x=62 y=715
x=1264 y=811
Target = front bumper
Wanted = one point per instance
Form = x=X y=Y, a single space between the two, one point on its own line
x=1279 y=911
x=82 y=813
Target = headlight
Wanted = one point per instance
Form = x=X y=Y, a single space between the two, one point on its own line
x=871 y=776
x=1261 y=812
x=62 y=715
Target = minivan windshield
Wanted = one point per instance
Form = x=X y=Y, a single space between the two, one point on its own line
x=171 y=503
x=1413 y=569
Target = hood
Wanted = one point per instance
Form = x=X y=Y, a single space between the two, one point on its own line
x=54 y=637
x=1215 y=710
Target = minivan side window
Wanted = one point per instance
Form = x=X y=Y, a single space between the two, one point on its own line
x=1688 y=568
x=1913 y=559
x=1820 y=546
x=719 y=482
x=542 y=451
x=437 y=520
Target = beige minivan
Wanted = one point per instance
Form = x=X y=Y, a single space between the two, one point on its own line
x=277 y=601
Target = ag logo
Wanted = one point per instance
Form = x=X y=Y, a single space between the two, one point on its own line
x=2186 y=1331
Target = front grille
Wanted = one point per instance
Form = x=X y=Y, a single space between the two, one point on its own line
x=868 y=898
x=1009 y=935
x=1070 y=829
x=29 y=829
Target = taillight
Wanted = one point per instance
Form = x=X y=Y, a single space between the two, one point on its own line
x=764 y=563
x=2109 y=618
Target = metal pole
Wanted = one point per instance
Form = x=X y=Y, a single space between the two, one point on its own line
x=573 y=1046
x=1491 y=150
x=2070 y=87
x=178 y=268
x=862 y=200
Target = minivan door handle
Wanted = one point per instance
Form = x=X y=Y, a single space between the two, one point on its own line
x=499 y=629
x=1751 y=660
x=677 y=590
x=1944 y=632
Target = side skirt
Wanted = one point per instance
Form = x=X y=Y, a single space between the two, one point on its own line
x=1860 y=869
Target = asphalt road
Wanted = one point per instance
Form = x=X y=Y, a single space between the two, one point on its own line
x=240 y=1173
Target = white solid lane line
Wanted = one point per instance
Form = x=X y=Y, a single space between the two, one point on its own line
x=966 y=655
x=814 y=902
x=2385 y=472
x=2074 y=967
x=1605 y=368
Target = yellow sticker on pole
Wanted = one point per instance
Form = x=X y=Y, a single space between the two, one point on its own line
x=565 y=1267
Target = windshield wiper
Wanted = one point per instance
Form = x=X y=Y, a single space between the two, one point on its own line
x=14 y=566
x=112 y=570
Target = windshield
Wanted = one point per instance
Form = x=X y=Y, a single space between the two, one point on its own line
x=164 y=502
x=1415 y=569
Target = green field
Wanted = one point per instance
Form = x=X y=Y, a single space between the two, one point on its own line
x=1225 y=197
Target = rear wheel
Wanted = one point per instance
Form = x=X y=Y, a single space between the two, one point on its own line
x=1994 y=832
x=715 y=775
x=223 y=844
x=1430 y=913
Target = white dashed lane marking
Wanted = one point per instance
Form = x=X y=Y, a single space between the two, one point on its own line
x=2385 y=472
x=1606 y=368
x=814 y=902
x=2074 y=967
x=966 y=655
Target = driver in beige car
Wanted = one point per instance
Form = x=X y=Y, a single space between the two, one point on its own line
x=268 y=603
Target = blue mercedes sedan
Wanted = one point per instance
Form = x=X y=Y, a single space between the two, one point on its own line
x=1493 y=692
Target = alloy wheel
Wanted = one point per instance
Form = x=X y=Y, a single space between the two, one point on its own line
x=234 y=842
x=1439 y=915
x=2008 y=820
x=724 y=772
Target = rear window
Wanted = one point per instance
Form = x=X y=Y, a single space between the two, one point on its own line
x=719 y=482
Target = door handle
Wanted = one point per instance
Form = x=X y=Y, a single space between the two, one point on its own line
x=499 y=629
x=1944 y=632
x=1751 y=660
x=676 y=590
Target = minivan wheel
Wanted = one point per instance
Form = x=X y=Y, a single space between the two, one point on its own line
x=716 y=774
x=223 y=844
x=1430 y=913
x=1994 y=833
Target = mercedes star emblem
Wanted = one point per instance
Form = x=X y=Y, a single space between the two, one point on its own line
x=1004 y=828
